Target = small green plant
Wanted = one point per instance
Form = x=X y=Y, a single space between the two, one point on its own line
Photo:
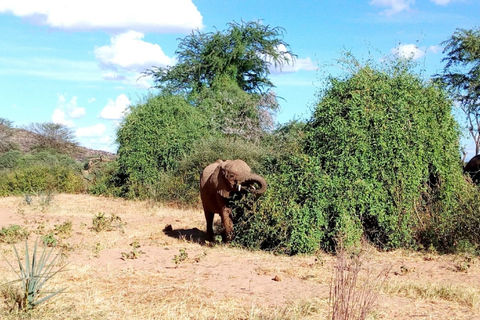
x=103 y=223
x=13 y=234
x=96 y=249
x=134 y=253
x=63 y=230
x=33 y=274
x=182 y=256
x=49 y=240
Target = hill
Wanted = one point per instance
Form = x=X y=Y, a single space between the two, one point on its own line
x=26 y=141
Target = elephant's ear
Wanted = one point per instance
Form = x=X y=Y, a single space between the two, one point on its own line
x=223 y=188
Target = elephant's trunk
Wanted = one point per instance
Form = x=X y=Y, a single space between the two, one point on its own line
x=256 y=179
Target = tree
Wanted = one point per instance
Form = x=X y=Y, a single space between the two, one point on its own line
x=236 y=113
x=154 y=136
x=55 y=136
x=461 y=75
x=6 y=133
x=244 y=52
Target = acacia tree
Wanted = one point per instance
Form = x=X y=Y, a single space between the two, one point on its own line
x=225 y=73
x=244 y=52
x=461 y=75
x=49 y=135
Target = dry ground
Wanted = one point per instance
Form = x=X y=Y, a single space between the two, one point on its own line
x=176 y=277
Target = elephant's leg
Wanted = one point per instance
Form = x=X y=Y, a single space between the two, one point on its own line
x=227 y=222
x=209 y=218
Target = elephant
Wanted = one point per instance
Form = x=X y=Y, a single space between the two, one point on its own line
x=473 y=168
x=219 y=181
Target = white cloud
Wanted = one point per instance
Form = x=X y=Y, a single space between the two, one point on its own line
x=299 y=64
x=115 y=110
x=50 y=68
x=441 y=2
x=294 y=65
x=408 y=51
x=129 y=52
x=70 y=108
x=435 y=49
x=94 y=131
x=67 y=110
x=142 y=15
x=60 y=117
x=394 y=6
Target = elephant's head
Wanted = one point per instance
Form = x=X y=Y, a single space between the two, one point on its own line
x=237 y=176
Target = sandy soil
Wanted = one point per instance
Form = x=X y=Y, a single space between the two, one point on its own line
x=173 y=275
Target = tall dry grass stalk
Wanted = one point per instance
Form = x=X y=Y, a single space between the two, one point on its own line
x=354 y=289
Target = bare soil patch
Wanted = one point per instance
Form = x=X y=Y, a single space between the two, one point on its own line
x=173 y=275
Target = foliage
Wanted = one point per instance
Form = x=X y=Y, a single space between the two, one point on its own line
x=100 y=222
x=181 y=186
x=13 y=234
x=236 y=113
x=134 y=253
x=461 y=75
x=459 y=229
x=154 y=136
x=291 y=217
x=244 y=53
x=182 y=256
x=395 y=138
x=380 y=148
x=49 y=240
x=6 y=122
x=10 y=159
x=34 y=274
x=105 y=180
x=6 y=133
x=53 y=136
x=36 y=178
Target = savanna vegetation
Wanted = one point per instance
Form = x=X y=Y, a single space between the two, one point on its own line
x=379 y=157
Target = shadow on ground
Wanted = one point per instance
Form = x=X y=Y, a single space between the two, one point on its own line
x=193 y=235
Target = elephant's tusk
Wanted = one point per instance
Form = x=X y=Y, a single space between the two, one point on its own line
x=239 y=187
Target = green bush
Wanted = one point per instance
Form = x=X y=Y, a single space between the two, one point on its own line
x=36 y=178
x=105 y=179
x=380 y=142
x=392 y=136
x=10 y=159
x=456 y=226
x=153 y=137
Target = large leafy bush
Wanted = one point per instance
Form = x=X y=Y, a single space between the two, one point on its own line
x=153 y=137
x=41 y=171
x=380 y=159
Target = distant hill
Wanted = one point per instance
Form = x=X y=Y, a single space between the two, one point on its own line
x=26 y=140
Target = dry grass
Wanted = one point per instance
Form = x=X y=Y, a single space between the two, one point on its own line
x=208 y=282
x=461 y=294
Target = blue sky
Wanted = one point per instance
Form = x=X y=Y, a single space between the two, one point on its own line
x=78 y=62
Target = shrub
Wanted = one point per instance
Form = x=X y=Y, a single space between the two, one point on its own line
x=380 y=142
x=391 y=137
x=10 y=159
x=154 y=136
x=33 y=179
x=13 y=234
x=105 y=179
